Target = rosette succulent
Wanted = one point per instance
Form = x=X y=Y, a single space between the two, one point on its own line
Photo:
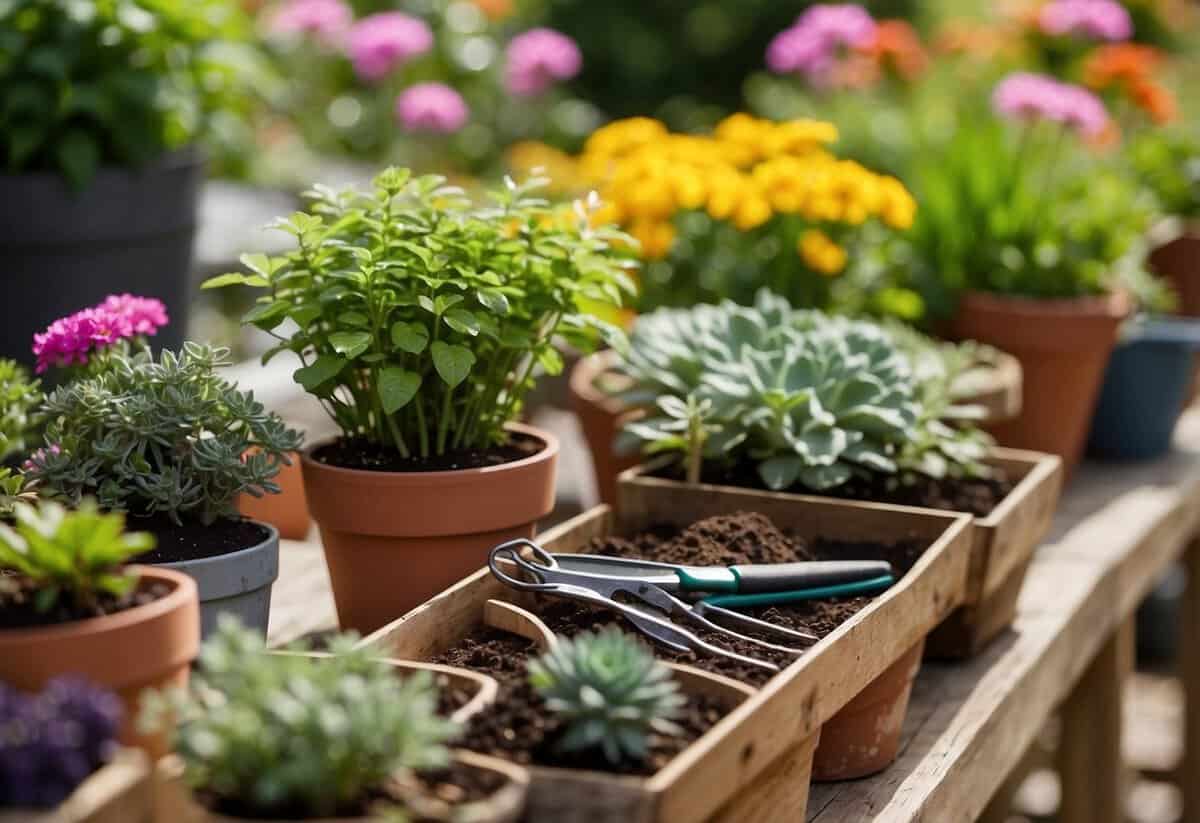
x=611 y=692
x=811 y=400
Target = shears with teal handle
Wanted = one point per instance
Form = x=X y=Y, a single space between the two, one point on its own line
x=742 y=586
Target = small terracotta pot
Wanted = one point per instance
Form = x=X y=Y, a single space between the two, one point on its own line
x=147 y=647
x=601 y=416
x=286 y=511
x=864 y=737
x=394 y=539
x=1063 y=346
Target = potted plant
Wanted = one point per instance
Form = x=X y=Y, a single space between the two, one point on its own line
x=19 y=398
x=163 y=439
x=60 y=760
x=297 y=737
x=102 y=109
x=419 y=318
x=69 y=604
x=1168 y=162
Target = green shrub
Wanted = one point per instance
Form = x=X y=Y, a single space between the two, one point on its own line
x=19 y=396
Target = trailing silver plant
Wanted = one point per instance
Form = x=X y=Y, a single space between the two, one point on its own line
x=611 y=692
x=167 y=435
x=811 y=400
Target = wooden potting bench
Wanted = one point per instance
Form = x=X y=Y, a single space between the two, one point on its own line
x=970 y=725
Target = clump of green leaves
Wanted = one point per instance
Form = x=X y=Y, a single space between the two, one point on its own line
x=1168 y=163
x=288 y=734
x=167 y=435
x=75 y=556
x=14 y=488
x=810 y=400
x=611 y=692
x=421 y=316
x=90 y=83
x=19 y=396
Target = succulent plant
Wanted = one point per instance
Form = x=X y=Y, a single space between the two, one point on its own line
x=167 y=435
x=810 y=399
x=611 y=692
x=52 y=741
x=19 y=396
x=286 y=732
x=70 y=555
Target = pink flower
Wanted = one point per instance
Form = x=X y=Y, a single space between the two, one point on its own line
x=539 y=58
x=70 y=339
x=145 y=314
x=326 y=20
x=37 y=460
x=812 y=45
x=381 y=43
x=1025 y=96
x=431 y=107
x=1095 y=19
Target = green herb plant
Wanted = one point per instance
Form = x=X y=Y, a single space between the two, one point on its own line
x=419 y=317
x=72 y=556
x=610 y=691
x=293 y=734
x=1168 y=163
x=810 y=400
x=166 y=435
x=19 y=397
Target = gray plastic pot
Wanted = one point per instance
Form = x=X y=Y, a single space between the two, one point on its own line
x=62 y=250
x=238 y=583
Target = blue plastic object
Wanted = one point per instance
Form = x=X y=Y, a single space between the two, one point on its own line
x=1144 y=390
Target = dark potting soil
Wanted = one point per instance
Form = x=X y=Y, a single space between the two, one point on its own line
x=975 y=495
x=18 y=609
x=520 y=728
x=193 y=540
x=359 y=453
x=452 y=694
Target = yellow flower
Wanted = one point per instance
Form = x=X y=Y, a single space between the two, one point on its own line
x=689 y=188
x=527 y=156
x=656 y=238
x=799 y=137
x=609 y=212
x=751 y=212
x=621 y=136
x=651 y=199
x=898 y=209
x=820 y=253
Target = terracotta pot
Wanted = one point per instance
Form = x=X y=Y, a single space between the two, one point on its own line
x=864 y=737
x=601 y=417
x=150 y=646
x=394 y=539
x=1063 y=346
x=286 y=511
x=1178 y=260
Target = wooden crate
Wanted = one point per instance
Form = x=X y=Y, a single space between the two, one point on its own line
x=120 y=792
x=1002 y=543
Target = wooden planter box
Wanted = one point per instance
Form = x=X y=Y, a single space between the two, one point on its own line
x=120 y=792
x=1002 y=543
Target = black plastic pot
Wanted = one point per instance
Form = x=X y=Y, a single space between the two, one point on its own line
x=1144 y=388
x=61 y=250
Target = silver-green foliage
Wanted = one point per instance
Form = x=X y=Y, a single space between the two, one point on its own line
x=167 y=435
x=811 y=399
x=610 y=690
x=290 y=731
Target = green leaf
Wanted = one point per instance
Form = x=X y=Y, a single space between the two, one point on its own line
x=324 y=368
x=462 y=321
x=780 y=473
x=222 y=280
x=550 y=360
x=410 y=337
x=453 y=363
x=397 y=387
x=493 y=300
x=444 y=301
x=79 y=156
x=350 y=343
x=267 y=315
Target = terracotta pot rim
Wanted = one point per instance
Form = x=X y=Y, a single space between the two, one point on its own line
x=582 y=382
x=184 y=591
x=1110 y=304
x=549 y=450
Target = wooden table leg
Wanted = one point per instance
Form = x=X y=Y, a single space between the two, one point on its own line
x=1189 y=673
x=1089 y=754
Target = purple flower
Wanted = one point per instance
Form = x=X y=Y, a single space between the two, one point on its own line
x=539 y=58
x=381 y=43
x=812 y=44
x=145 y=314
x=1095 y=19
x=37 y=460
x=1025 y=96
x=70 y=339
x=326 y=20
x=431 y=107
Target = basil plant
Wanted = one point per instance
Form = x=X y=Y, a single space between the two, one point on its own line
x=420 y=316
x=810 y=400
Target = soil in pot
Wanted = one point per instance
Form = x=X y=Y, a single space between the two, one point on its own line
x=192 y=540
x=18 y=609
x=359 y=453
x=520 y=728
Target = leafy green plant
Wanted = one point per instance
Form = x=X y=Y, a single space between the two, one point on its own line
x=807 y=398
x=71 y=555
x=14 y=488
x=1168 y=163
x=167 y=435
x=19 y=396
x=611 y=692
x=88 y=83
x=291 y=733
x=421 y=316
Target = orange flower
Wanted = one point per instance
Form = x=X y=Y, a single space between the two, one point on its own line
x=1154 y=99
x=897 y=47
x=495 y=9
x=1121 y=64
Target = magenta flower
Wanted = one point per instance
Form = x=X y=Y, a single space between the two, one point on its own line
x=1025 y=96
x=70 y=339
x=431 y=107
x=1094 y=19
x=37 y=460
x=326 y=20
x=537 y=59
x=381 y=43
x=812 y=45
x=146 y=315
